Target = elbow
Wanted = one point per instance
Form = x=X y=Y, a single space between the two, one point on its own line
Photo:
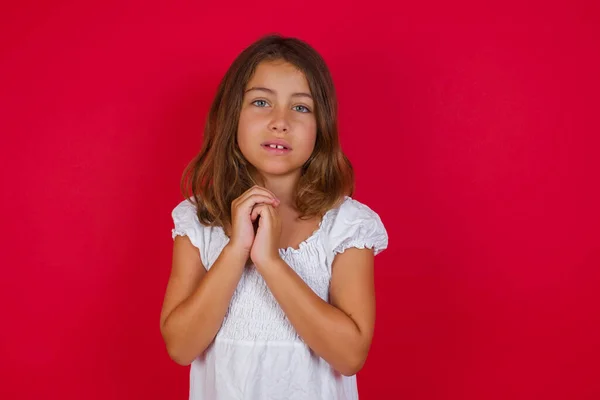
x=351 y=369
x=353 y=363
x=178 y=356
x=184 y=362
x=180 y=352
x=175 y=351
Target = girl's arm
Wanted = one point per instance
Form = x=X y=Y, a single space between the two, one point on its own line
x=340 y=332
x=196 y=300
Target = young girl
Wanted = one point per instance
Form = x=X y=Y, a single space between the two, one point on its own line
x=271 y=292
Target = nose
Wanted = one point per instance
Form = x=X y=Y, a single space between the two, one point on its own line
x=279 y=123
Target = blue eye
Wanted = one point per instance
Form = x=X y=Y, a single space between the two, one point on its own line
x=302 y=109
x=260 y=103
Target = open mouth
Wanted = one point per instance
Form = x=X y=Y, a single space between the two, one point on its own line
x=276 y=148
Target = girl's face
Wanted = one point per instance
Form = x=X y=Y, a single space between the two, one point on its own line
x=277 y=111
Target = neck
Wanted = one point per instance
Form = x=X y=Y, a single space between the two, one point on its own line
x=282 y=186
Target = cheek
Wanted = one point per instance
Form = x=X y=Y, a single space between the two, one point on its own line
x=310 y=133
x=251 y=121
x=244 y=131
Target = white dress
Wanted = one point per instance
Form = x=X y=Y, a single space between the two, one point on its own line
x=257 y=353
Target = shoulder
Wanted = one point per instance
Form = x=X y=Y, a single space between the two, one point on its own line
x=354 y=224
x=185 y=221
x=185 y=215
x=352 y=211
x=353 y=207
x=185 y=208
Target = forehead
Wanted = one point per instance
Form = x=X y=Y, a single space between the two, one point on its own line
x=280 y=76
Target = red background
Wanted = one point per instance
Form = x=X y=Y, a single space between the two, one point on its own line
x=473 y=129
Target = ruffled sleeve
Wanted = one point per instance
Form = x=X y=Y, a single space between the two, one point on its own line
x=186 y=223
x=356 y=225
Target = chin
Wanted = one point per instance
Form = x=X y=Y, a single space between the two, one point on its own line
x=276 y=169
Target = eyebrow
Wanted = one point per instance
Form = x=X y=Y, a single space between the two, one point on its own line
x=271 y=91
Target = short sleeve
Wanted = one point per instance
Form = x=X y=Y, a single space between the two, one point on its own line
x=356 y=225
x=186 y=223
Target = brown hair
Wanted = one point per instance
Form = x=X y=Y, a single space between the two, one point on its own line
x=220 y=173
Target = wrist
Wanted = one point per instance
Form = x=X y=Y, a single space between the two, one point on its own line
x=270 y=262
x=233 y=246
x=238 y=253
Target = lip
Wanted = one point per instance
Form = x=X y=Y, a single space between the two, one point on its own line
x=275 y=151
x=279 y=142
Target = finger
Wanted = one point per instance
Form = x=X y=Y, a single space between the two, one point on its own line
x=266 y=211
x=244 y=197
x=271 y=211
x=262 y=210
x=256 y=212
x=273 y=215
x=266 y=190
x=257 y=190
x=253 y=200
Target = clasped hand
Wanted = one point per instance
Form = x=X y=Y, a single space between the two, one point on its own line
x=256 y=203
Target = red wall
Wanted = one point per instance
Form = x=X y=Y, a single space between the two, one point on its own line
x=474 y=133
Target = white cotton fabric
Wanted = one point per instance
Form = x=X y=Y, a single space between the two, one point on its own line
x=257 y=353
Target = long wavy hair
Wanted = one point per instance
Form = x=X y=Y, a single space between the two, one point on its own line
x=220 y=173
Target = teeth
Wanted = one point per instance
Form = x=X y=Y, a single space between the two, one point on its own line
x=275 y=146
